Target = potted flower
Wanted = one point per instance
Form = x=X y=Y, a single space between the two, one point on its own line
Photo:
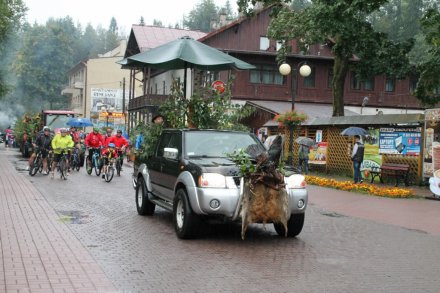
x=291 y=118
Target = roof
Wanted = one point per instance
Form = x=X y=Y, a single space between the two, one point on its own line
x=148 y=37
x=313 y=111
x=384 y=119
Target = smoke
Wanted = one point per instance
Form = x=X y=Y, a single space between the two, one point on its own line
x=9 y=114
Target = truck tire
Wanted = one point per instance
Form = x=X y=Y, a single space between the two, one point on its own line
x=294 y=226
x=143 y=205
x=186 y=223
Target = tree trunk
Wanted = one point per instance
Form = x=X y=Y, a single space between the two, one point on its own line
x=340 y=69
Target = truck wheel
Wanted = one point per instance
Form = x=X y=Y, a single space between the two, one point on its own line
x=143 y=205
x=186 y=223
x=294 y=226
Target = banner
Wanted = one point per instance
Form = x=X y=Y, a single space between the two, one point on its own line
x=318 y=155
x=404 y=141
x=372 y=158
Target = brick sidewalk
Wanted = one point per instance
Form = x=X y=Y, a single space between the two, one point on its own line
x=38 y=252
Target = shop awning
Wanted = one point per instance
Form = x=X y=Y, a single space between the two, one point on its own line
x=382 y=119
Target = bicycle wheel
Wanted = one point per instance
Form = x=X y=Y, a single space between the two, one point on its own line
x=77 y=163
x=118 y=167
x=89 y=166
x=109 y=174
x=62 y=168
x=97 y=165
x=35 y=165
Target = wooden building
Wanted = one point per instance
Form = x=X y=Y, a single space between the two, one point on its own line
x=246 y=39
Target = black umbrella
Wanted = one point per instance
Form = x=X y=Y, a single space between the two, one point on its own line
x=305 y=141
x=351 y=131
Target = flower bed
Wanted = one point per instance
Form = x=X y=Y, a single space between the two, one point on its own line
x=362 y=187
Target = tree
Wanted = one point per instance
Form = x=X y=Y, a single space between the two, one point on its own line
x=344 y=26
x=142 y=21
x=11 y=19
x=428 y=86
x=201 y=16
x=42 y=62
x=157 y=23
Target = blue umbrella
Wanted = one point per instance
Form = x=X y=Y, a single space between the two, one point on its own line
x=350 y=131
x=79 y=122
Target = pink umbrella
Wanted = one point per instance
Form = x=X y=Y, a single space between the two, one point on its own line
x=8 y=130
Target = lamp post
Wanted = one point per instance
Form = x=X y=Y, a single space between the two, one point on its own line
x=304 y=71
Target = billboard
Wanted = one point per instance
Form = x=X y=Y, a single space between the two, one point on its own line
x=403 y=141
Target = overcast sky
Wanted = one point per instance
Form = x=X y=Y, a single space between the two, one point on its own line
x=126 y=12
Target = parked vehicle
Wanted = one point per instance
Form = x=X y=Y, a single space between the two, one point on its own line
x=191 y=175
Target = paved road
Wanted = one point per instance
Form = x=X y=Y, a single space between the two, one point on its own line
x=336 y=252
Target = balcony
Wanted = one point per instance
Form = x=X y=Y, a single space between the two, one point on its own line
x=146 y=101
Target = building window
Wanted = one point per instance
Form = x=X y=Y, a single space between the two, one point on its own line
x=309 y=81
x=266 y=74
x=354 y=81
x=390 y=84
x=413 y=84
x=164 y=87
x=155 y=88
x=329 y=78
x=264 y=43
x=279 y=45
x=368 y=84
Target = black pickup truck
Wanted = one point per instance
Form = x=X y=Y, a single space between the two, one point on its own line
x=191 y=176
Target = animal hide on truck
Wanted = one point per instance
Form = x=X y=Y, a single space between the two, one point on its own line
x=265 y=198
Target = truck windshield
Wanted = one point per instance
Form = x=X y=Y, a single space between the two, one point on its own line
x=57 y=121
x=219 y=144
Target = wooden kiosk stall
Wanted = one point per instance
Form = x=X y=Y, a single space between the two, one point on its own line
x=392 y=139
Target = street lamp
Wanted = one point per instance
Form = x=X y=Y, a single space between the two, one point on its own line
x=304 y=71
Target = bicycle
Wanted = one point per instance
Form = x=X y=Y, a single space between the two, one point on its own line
x=109 y=170
x=37 y=163
x=95 y=163
x=75 y=162
x=64 y=163
x=119 y=161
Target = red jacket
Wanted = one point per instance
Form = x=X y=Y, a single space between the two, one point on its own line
x=94 y=140
x=109 y=153
x=119 y=141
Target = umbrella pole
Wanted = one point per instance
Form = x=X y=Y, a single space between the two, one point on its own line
x=184 y=80
x=290 y=154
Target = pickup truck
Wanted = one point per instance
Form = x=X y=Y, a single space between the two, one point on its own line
x=191 y=175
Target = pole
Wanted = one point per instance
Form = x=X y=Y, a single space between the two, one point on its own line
x=292 y=128
x=123 y=103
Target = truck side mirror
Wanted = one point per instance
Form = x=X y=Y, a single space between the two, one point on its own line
x=171 y=153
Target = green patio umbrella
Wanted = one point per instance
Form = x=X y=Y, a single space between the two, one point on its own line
x=183 y=53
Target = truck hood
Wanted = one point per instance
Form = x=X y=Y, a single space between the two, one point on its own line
x=223 y=166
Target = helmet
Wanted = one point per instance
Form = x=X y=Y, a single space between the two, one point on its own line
x=111 y=145
x=46 y=128
x=96 y=129
x=63 y=130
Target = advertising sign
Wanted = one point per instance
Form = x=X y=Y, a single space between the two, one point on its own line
x=318 y=155
x=404 y=141
x=372 y=158
x=431 y=148
x=107 y=98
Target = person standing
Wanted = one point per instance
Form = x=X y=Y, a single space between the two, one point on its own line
x=357 y=156
x=304 y=158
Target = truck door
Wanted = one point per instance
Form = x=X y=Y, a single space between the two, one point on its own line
x=165 y=169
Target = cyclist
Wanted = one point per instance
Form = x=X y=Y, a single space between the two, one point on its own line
x=120 y=142
x=43 y=143
x=107 y=136
x=108 y=153
x=94 y=140
x=59 y=142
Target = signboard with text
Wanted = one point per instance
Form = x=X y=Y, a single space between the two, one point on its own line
x=404 y=141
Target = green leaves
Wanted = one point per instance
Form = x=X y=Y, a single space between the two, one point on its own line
x=243 y=161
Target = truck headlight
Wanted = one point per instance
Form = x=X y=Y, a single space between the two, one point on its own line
x=295 y=181
x=212 y=180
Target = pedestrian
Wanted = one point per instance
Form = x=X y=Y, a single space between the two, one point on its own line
x=158 y=119
x=304 y=158
x=357 y=156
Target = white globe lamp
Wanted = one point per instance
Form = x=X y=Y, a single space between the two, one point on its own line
x=285 y=69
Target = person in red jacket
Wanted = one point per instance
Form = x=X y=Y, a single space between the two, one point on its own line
x=120 y=143
x=94 y=140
